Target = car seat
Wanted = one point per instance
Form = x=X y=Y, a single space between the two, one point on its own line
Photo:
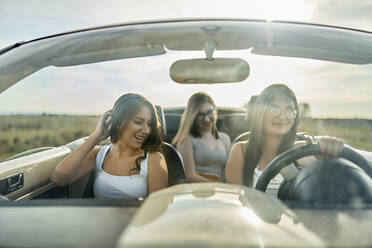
x=173 y=123
x=176 y=169
x=248 y=120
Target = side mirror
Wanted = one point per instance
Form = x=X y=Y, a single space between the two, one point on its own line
x=209 y=71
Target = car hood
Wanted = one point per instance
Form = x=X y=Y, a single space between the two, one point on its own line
x=223 y=215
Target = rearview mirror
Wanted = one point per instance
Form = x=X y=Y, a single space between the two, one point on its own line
x=213 y=71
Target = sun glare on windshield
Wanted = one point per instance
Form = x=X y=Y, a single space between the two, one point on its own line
x=278 y=10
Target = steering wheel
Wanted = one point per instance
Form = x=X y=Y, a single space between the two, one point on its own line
x=288 y=157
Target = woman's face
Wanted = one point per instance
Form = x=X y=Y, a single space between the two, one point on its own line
x=206 y=117
x=279 y=115
x=138 y=128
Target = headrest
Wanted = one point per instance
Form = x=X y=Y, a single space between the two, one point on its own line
x=161 y=117
x=173 y=121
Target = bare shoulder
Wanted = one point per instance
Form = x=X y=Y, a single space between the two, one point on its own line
x=241 y=145
x=157 y=172
x=235 y=163
x=155 y=156
x=95 y=151
x=185 y=143
x=156 y=163
x=238 y=149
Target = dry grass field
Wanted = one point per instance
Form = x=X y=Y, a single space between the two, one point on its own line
x=19 y=133
x=355 y=132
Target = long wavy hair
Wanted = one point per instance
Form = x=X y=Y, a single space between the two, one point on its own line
x=188 y=124
x=125 y=108
x=253 y=151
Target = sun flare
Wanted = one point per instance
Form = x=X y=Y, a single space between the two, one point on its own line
x=291 y=10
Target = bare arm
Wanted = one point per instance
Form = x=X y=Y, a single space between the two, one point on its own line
x=81 y=161
x=76 y=165
x=235 y=164
x=187 y=153
x=157 y=172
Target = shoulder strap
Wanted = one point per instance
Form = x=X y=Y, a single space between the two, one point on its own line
x=144 y=165
x=101 y=156
x=89 y=192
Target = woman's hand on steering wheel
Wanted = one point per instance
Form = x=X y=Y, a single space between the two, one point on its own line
x=329 y=146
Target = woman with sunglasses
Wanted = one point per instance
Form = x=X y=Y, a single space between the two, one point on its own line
x=204 y=150
x=273 y=131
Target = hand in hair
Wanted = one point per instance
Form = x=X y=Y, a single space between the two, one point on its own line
x=102 y=130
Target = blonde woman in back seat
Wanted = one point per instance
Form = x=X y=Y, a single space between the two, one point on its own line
x=203 y=148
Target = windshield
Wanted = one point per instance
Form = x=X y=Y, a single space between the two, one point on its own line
x=332 y=90
x=43 y=109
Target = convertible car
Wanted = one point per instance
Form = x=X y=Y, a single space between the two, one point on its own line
x=52 y=83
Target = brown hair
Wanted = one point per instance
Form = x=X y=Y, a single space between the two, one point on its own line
x=257 y=135
x=125 y=108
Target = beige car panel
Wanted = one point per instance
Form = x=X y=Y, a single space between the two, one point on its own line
x=63 y=226
x=223 y=215
x=36 y=169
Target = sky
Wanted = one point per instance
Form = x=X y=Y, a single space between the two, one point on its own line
x=22 y=20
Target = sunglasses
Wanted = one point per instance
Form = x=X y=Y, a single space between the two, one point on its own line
x=210 y=114
x=275 y=111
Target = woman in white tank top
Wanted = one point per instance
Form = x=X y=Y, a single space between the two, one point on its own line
x=132 y=165
x=274 y=120
x=204 y=150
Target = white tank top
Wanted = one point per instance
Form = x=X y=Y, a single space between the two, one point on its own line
x=273 y=186
x=120 y=187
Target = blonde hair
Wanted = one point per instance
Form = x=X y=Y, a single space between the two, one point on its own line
x=188 y=119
